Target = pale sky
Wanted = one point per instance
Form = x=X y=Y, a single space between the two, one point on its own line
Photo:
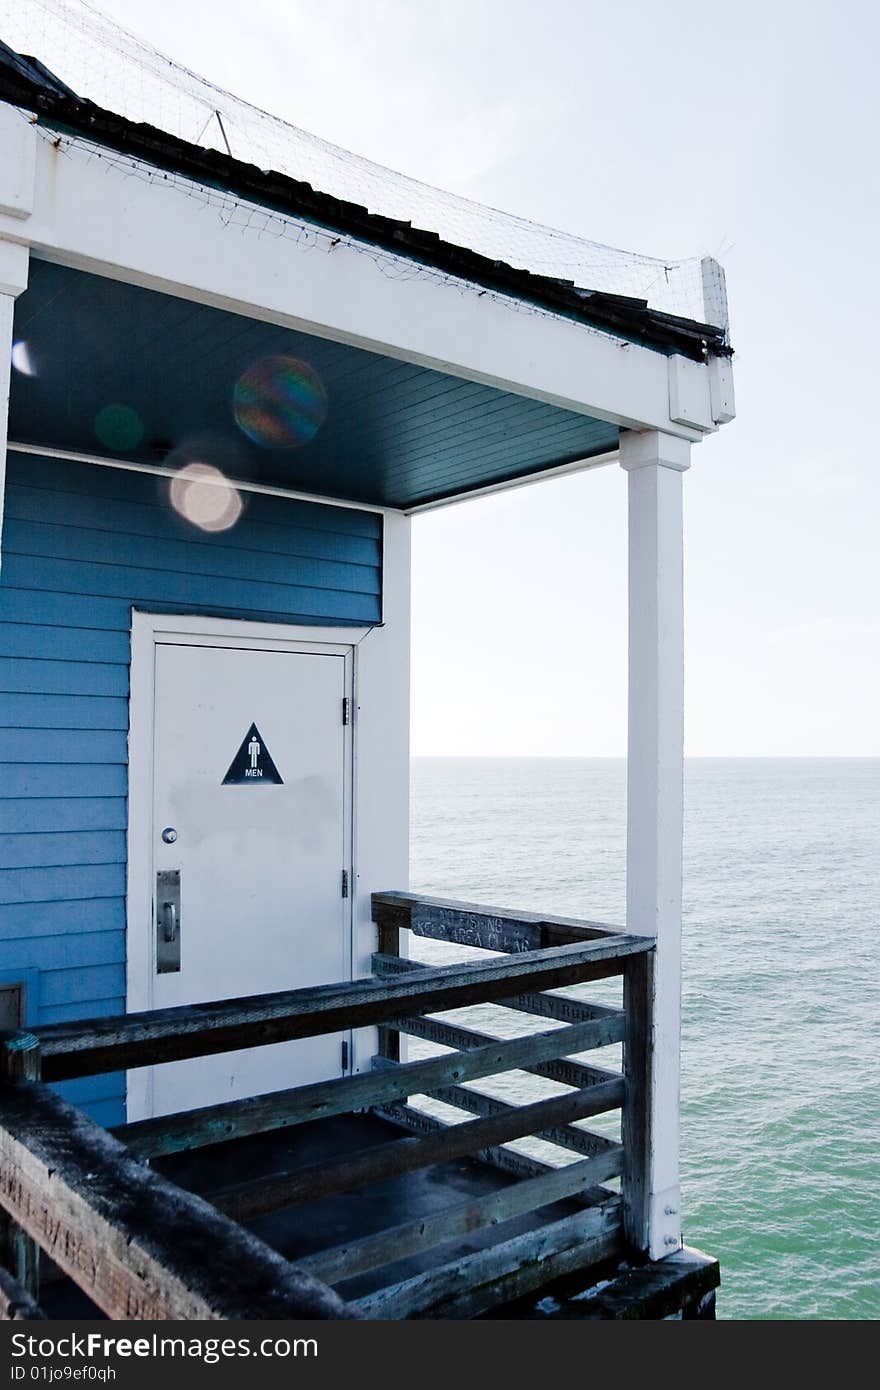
x=748 y=132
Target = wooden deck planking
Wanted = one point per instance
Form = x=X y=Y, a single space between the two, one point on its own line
x=510 y=1269
x=343 y=1262
x=246 y=1200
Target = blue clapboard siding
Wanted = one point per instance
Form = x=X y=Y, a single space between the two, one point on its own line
x=57 y=780
x=191 y=558
x=71 y=953
x=88 y=1090
x=32 y=850
x=60 y=883
x=79 y=985
x=45 y=813
x=19 y=922
x=63 y=711
x=160 y=591
x=62 y=677
x=82 y=545
x=61 y=644
x=61 y=745
x=69 y=1013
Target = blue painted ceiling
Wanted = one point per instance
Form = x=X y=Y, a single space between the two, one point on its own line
x=395 y=434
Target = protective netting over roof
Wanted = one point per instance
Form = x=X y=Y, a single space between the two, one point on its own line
x=106 y=64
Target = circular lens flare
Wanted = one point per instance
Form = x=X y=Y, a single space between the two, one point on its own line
x=280 y=403
x=201 y=494
x=119 y=427
x=22 y=360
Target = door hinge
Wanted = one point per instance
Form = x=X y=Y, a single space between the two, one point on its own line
x=345 y=1056
x=346 y=710
x=345 y=883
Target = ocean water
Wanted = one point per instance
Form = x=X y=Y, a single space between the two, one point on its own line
x=781 y=1042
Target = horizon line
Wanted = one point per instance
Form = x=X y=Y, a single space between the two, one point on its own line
x=688 y=757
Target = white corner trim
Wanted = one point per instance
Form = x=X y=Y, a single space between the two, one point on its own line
x=721 y=390
x=646 y=448
x=14 y=262
x=654 y=814
x=161 y=471
x=18 y=168
x=139 y=888
x=527 y=480
x=319 y=499
x=689 y=399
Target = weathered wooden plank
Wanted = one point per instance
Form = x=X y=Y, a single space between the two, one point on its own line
x=139 y=1247
x=388 y=940
x=504 y=1160
x=16 y=1304
x=197 y=1030
x=19 y=1057
x=560 y=1007
x=20 y=1061
x=571 y=1137
x=463 y=1288
x=280 y=1109
x=388 y=1044
x=404 y=904
x=635 y=1119
x=244 y=1201
x=414 y=1237
x=659 y=1289
x=560 y=1069
x=490 y=928
x=560 y=931
x=581 y=1141
x=390 y=921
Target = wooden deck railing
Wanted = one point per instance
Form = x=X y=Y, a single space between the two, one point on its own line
x=142 y=1247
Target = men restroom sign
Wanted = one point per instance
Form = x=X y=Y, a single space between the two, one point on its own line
x=252 y=763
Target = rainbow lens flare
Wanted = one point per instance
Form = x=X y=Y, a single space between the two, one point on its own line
x=119 y=427
x=280 y=403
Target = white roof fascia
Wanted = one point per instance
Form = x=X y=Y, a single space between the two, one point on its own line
x=111 y=215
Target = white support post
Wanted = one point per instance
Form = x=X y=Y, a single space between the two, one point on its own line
x=655 y=462
x=13 y=279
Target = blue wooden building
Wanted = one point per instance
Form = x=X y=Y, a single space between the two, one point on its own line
x=231 y=384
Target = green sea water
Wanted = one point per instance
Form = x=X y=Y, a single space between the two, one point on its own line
x=781 y=1040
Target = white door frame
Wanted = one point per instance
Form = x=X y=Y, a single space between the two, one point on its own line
x=148 y=631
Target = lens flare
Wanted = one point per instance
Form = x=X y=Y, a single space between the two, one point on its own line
x=119 y=427
x=201 y=494
x=22 y=360
x=280 y=403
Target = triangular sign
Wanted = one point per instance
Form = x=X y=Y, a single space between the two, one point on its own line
x=252 y=763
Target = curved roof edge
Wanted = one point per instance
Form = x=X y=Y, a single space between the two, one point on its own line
x=26 y=82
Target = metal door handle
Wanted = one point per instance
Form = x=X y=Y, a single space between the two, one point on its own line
x=169 y=921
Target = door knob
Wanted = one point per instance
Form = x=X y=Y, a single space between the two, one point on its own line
x=169 y=835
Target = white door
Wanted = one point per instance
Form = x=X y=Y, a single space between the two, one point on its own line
x=249 y=833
